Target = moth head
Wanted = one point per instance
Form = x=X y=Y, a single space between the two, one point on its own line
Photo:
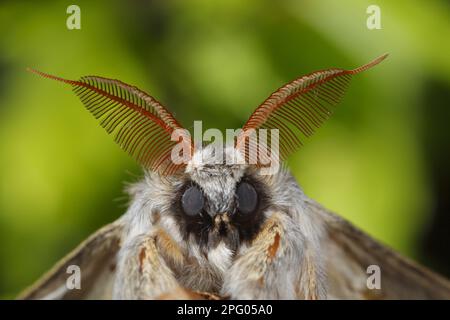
x=215 y=200
x=219 y=202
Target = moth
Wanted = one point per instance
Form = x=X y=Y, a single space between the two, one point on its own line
x=202 y=229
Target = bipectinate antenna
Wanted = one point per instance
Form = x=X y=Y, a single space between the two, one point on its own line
x=297 y=109
x=139 y=123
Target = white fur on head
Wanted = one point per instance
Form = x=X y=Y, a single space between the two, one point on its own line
x=217 y=179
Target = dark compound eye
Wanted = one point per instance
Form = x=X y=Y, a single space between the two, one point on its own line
x=192 y=201
x=247 y=198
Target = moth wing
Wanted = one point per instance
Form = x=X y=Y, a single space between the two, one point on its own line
x=96 y=258
x=349 y=252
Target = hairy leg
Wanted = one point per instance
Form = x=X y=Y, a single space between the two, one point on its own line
x=142 y=272
x=277 y=265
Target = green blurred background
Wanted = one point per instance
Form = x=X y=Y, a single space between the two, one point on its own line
x=382 y=161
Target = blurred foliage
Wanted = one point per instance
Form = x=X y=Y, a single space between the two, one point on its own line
x=62 y=176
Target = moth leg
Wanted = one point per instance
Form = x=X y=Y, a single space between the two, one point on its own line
x=275 y=266
x=142 y=272
x=312 y=282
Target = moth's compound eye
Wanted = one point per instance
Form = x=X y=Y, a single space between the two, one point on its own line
x=247 y=198
x=192 y=201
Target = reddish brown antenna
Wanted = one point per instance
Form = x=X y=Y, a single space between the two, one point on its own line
x=300 y=107
x=138 y=122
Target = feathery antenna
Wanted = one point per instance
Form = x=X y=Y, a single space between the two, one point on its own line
x=138 y=122
x=300 y=107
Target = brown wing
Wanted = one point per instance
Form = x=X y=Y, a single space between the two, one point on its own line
x=96 y=258
x=350 y=251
